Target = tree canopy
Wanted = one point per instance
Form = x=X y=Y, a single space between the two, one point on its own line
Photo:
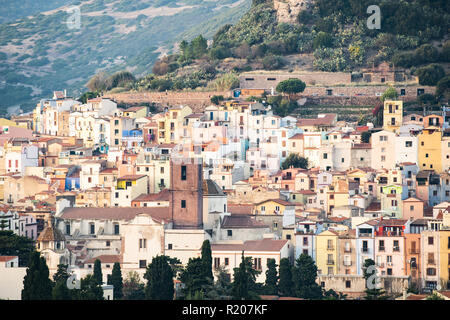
x=159 y=276
x=296 y=161
x=36 y=283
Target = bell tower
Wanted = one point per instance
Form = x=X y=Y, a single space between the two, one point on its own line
x=186 y=193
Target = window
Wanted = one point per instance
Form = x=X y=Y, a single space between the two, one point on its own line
x=227 y=261
x=216 y=263
x=92 y=228
x=230 y=233
x=142 y=264
x=257 y=263
x=348 y=284
x=183 y=203
x=288 y=236
x=183 y=172
x=116 y=228
x=108 y=243
x=142 y=243
x=389 y=272
x=408 y=144
x=431 y=271
x=67 y=228
x=430 y=240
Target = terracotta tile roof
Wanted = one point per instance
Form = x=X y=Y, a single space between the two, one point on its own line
x=252 y=245
x=362 y=146
x=163 y=195
x=211 y=188
x=115 y=213
x=417 y=297
x=296 y=136
x=106 y=258
x=51 y=233
x=240 y=208
x=7 y=258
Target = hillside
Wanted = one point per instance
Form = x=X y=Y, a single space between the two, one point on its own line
x=39 y=53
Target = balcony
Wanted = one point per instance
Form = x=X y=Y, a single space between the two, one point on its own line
x=365 y=250
x=365 y=235
x=330 y=262
x=397 y=249
x=347 y=263
x=347 y=250
x=414 y=251
x=330 y=248
x=380 y=265
x=381 y=249
x=432 y=262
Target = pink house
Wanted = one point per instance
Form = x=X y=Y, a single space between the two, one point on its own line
x=412 y=208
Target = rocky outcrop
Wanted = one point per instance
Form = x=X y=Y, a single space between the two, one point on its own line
x=288 y=10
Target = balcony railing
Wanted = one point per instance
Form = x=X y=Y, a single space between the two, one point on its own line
x=330 y=262
x=364 y=250
x=381 y=265
x=348 y=250
x=363 y=234
x=397 y=249
x=414 y=251
x=347 y=263
x=381 y=249
x=431 y=262
x=330 y=248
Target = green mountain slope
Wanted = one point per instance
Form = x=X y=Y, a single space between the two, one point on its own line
x=41 y=53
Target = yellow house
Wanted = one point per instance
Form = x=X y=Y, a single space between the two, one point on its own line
x=327 y=257
x=171 y=125
x=337 y=195
x=392 y=115
x=430 y=149
x=135 y=112
x=272 y=207
x=444 y=259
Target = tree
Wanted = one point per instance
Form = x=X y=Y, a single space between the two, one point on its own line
x=304 y=276
x=14 y=245
x=88 y=95
x=240 y=283
x=217 y=99
x=244 y=285
x=61 y=273
x=221 y=290
x=443 y=88
x=196 y=277
x=116 y=280
x=90 y=289
x=291 y=87
x=426 y=53
x=61 y=292
x=271 y=62
x=207 y=260
x=98 y=82
x=159 y=276
x=36 y=283
x=425 y=100
x=365 y=136
x=120 y=79
x=434 y=296
x=370 y=276
x=389 y=94
x=323 y=39
x=98 y=276
x=285 y=285
x=295 y=161
x=271 y=286
x=430 y=75
x=3 y=224
x=133 y=288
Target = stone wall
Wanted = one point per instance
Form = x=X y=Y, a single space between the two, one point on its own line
x=197 y=100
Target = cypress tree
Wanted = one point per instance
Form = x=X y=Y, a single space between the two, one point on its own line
x=61 y=292
x=117 y=281
x=159 y=277
x=285 y=284
x=98 y=276
x=36 y=283
x=207 y=260
x=271 y=286
x=305 y=274
x=240 y=283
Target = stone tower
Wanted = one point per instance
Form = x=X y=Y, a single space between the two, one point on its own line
x=288 y=10
x=186 y=195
